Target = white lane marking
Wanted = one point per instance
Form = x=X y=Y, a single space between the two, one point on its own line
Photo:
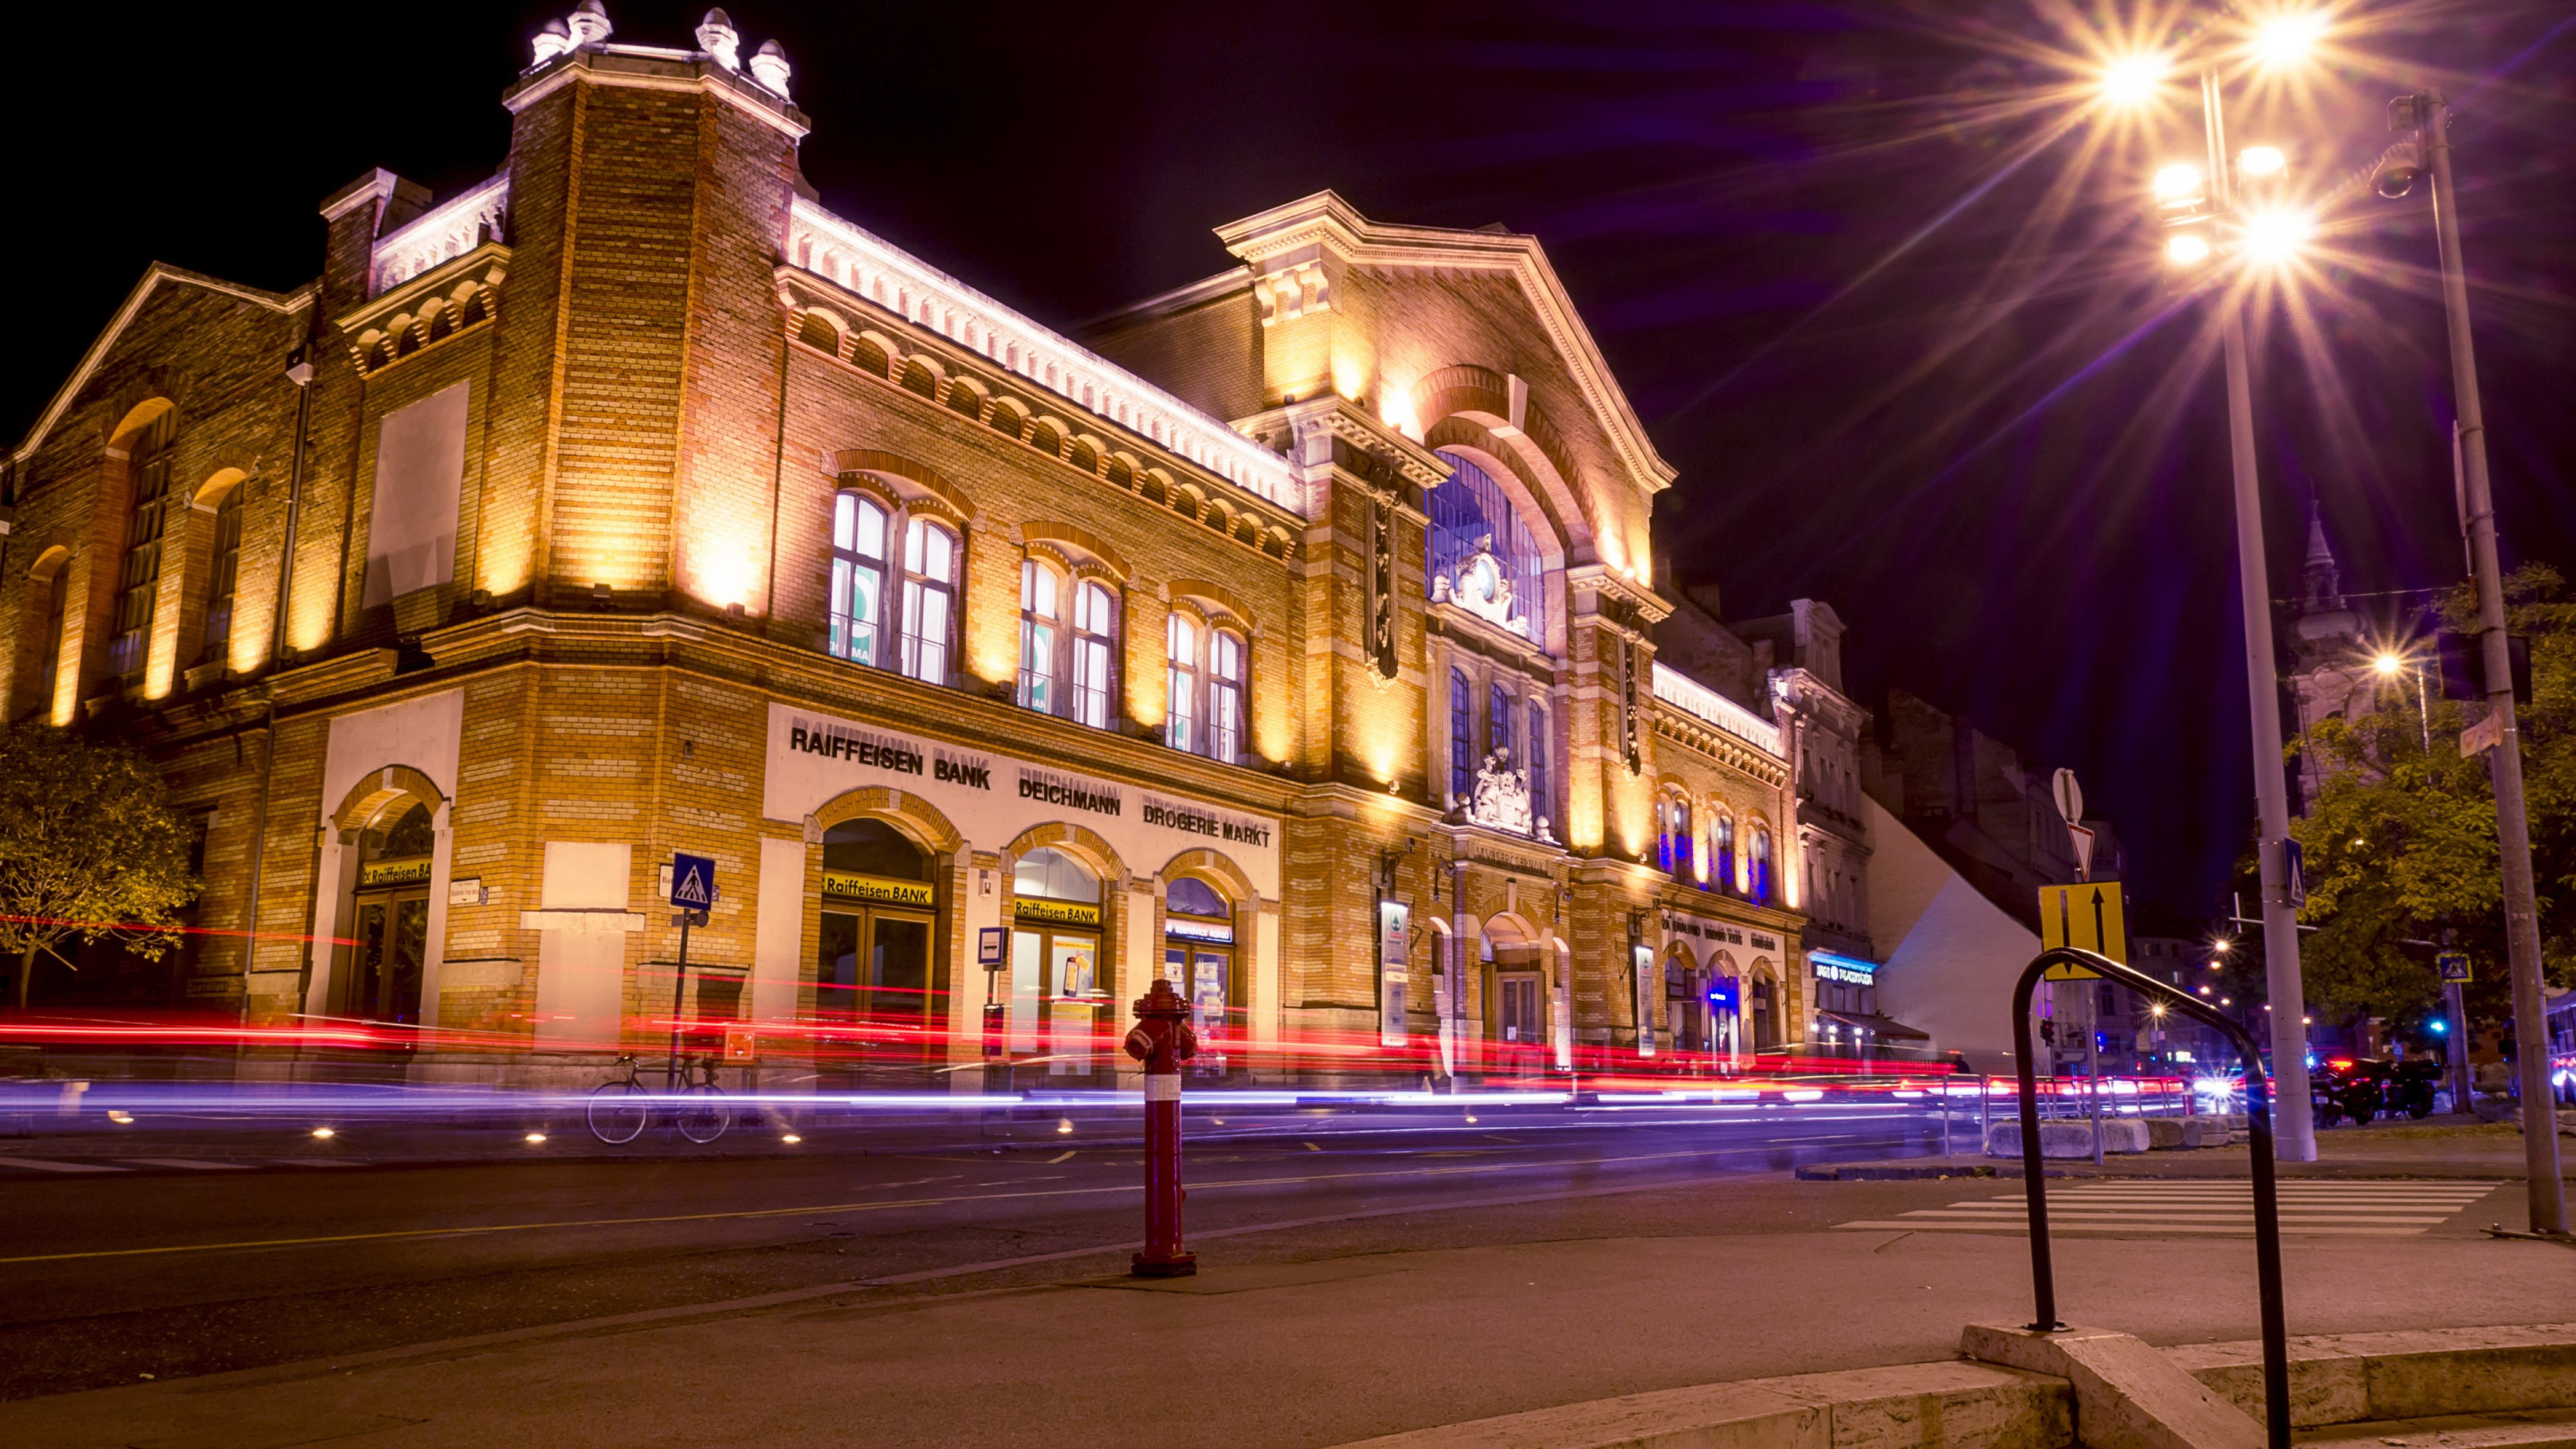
x=39 y=1164
x=192 y=1164
x=2311 y=1207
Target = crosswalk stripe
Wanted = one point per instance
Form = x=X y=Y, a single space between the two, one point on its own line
x=42 y=1165
x=2337 y=1207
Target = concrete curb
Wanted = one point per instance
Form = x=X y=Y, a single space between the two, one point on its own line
x=2117 y=1391
x=1954 y=1405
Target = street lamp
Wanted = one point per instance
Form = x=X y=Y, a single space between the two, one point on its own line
x=2269 y=237
x=2429 y=116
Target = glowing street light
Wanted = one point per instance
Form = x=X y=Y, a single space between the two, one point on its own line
x=2287 y=39
x=2132 y=79
x=2387 y=664
x=2187 y=249
x=2178 y=184
x=2257 y=161
x=2275 y=237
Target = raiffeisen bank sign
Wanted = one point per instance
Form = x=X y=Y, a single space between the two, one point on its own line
x=992 y=799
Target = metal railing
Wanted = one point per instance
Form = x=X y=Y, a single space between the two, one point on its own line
x=2258 y=1125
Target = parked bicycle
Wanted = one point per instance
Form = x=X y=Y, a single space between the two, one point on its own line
x=621 y=1108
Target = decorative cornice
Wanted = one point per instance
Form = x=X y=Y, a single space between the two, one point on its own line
x=639 y=67
x=454 y=227
x=431 y=307
x=862 y=263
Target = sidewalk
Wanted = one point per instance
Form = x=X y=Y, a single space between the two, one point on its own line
x=1264 y=1350
x=2456 y=1147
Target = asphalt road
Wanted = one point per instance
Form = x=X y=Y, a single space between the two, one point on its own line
x=114 y=1278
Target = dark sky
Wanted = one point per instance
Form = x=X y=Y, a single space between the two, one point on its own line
x=1878 y=281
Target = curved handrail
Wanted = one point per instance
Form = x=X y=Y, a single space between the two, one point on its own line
x=2258 y=1124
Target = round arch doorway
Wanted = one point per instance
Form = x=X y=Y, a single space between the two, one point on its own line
x=1515 y=995
x=875 y=964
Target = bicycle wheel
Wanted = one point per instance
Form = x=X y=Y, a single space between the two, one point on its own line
x=703 y=1117
x=618 y=1112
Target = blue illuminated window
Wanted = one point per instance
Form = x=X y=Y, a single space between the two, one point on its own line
x=1482 y=557
x=1462 y=737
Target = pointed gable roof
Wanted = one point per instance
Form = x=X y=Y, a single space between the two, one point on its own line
x=1327 y=222
x=155 y=277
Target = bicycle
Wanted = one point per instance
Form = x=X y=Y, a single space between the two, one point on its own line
x=620 y=1109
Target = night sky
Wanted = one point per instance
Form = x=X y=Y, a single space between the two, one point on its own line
x=1880 y=278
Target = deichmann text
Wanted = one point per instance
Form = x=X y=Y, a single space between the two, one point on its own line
x=1053 y=790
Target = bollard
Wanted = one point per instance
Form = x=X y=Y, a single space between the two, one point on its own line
x=1162 y=1040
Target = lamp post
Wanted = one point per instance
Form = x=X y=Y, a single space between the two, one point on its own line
x=2430 y=115
x=2294 y=1131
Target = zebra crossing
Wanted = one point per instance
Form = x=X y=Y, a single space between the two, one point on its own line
x=2310 y=1207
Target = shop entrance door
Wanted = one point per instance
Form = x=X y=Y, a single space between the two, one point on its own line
x=1073 y=1000
x=393 y=940
x=873 y=965
x=1520 y=1021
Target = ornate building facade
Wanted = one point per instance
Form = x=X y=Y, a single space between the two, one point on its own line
x=1290 y=635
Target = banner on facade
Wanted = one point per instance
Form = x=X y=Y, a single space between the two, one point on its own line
x=1650 y=999
x=411 y=871
x=1394 y=954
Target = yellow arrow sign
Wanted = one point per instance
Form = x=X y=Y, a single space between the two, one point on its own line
x=2087 y=917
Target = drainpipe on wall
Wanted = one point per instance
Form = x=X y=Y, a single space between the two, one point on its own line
x=299 y=370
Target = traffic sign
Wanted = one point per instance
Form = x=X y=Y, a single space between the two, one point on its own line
x=2087 y=917
x=693 y=881
x=992 y=947
x=2453 y=965
x=2070 y=796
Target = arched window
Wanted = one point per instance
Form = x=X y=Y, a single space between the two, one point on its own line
x=1181 y=652
x=1722 y=845
x=1462 y=738
x=138 y=579
x=1542 y=805
x=1498 y=721
x=858 y=577
x=1095 y=653
x=1685 y=845
x=929 y=599
x=223 y=576
x=1039 y=634
x=49 y=648
x=1225 y=695
x=1762 y=864
x=1482 y=556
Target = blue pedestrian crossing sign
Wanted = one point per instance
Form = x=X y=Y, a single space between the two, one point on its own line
x=2453 y=965
x=693 y=881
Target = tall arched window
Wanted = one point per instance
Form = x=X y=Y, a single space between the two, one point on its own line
x=1542 y=806
x=1225 y=695
x=1722 y=845
x=929 y=599
x=858 y=577
x=1095 y=653
x=1462 y=738
x=1762 y=864
x=1181 y=653
x=1481 y=556
x=138 y=579
x=49 y=648
x=1039 y=632
x=1498 y=721
x=1685 y=844
x=223 y=576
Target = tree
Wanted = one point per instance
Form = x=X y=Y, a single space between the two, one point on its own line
x=2400 y=844
x=89 y=847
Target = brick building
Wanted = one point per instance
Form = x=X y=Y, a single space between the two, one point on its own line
x=1289 y=634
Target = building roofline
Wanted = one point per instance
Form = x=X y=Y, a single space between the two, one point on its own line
x=154 y=276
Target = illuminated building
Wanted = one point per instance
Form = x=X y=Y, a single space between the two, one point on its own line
x=632 y=501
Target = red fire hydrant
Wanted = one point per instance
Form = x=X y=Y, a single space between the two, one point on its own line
x=1162 y=1040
